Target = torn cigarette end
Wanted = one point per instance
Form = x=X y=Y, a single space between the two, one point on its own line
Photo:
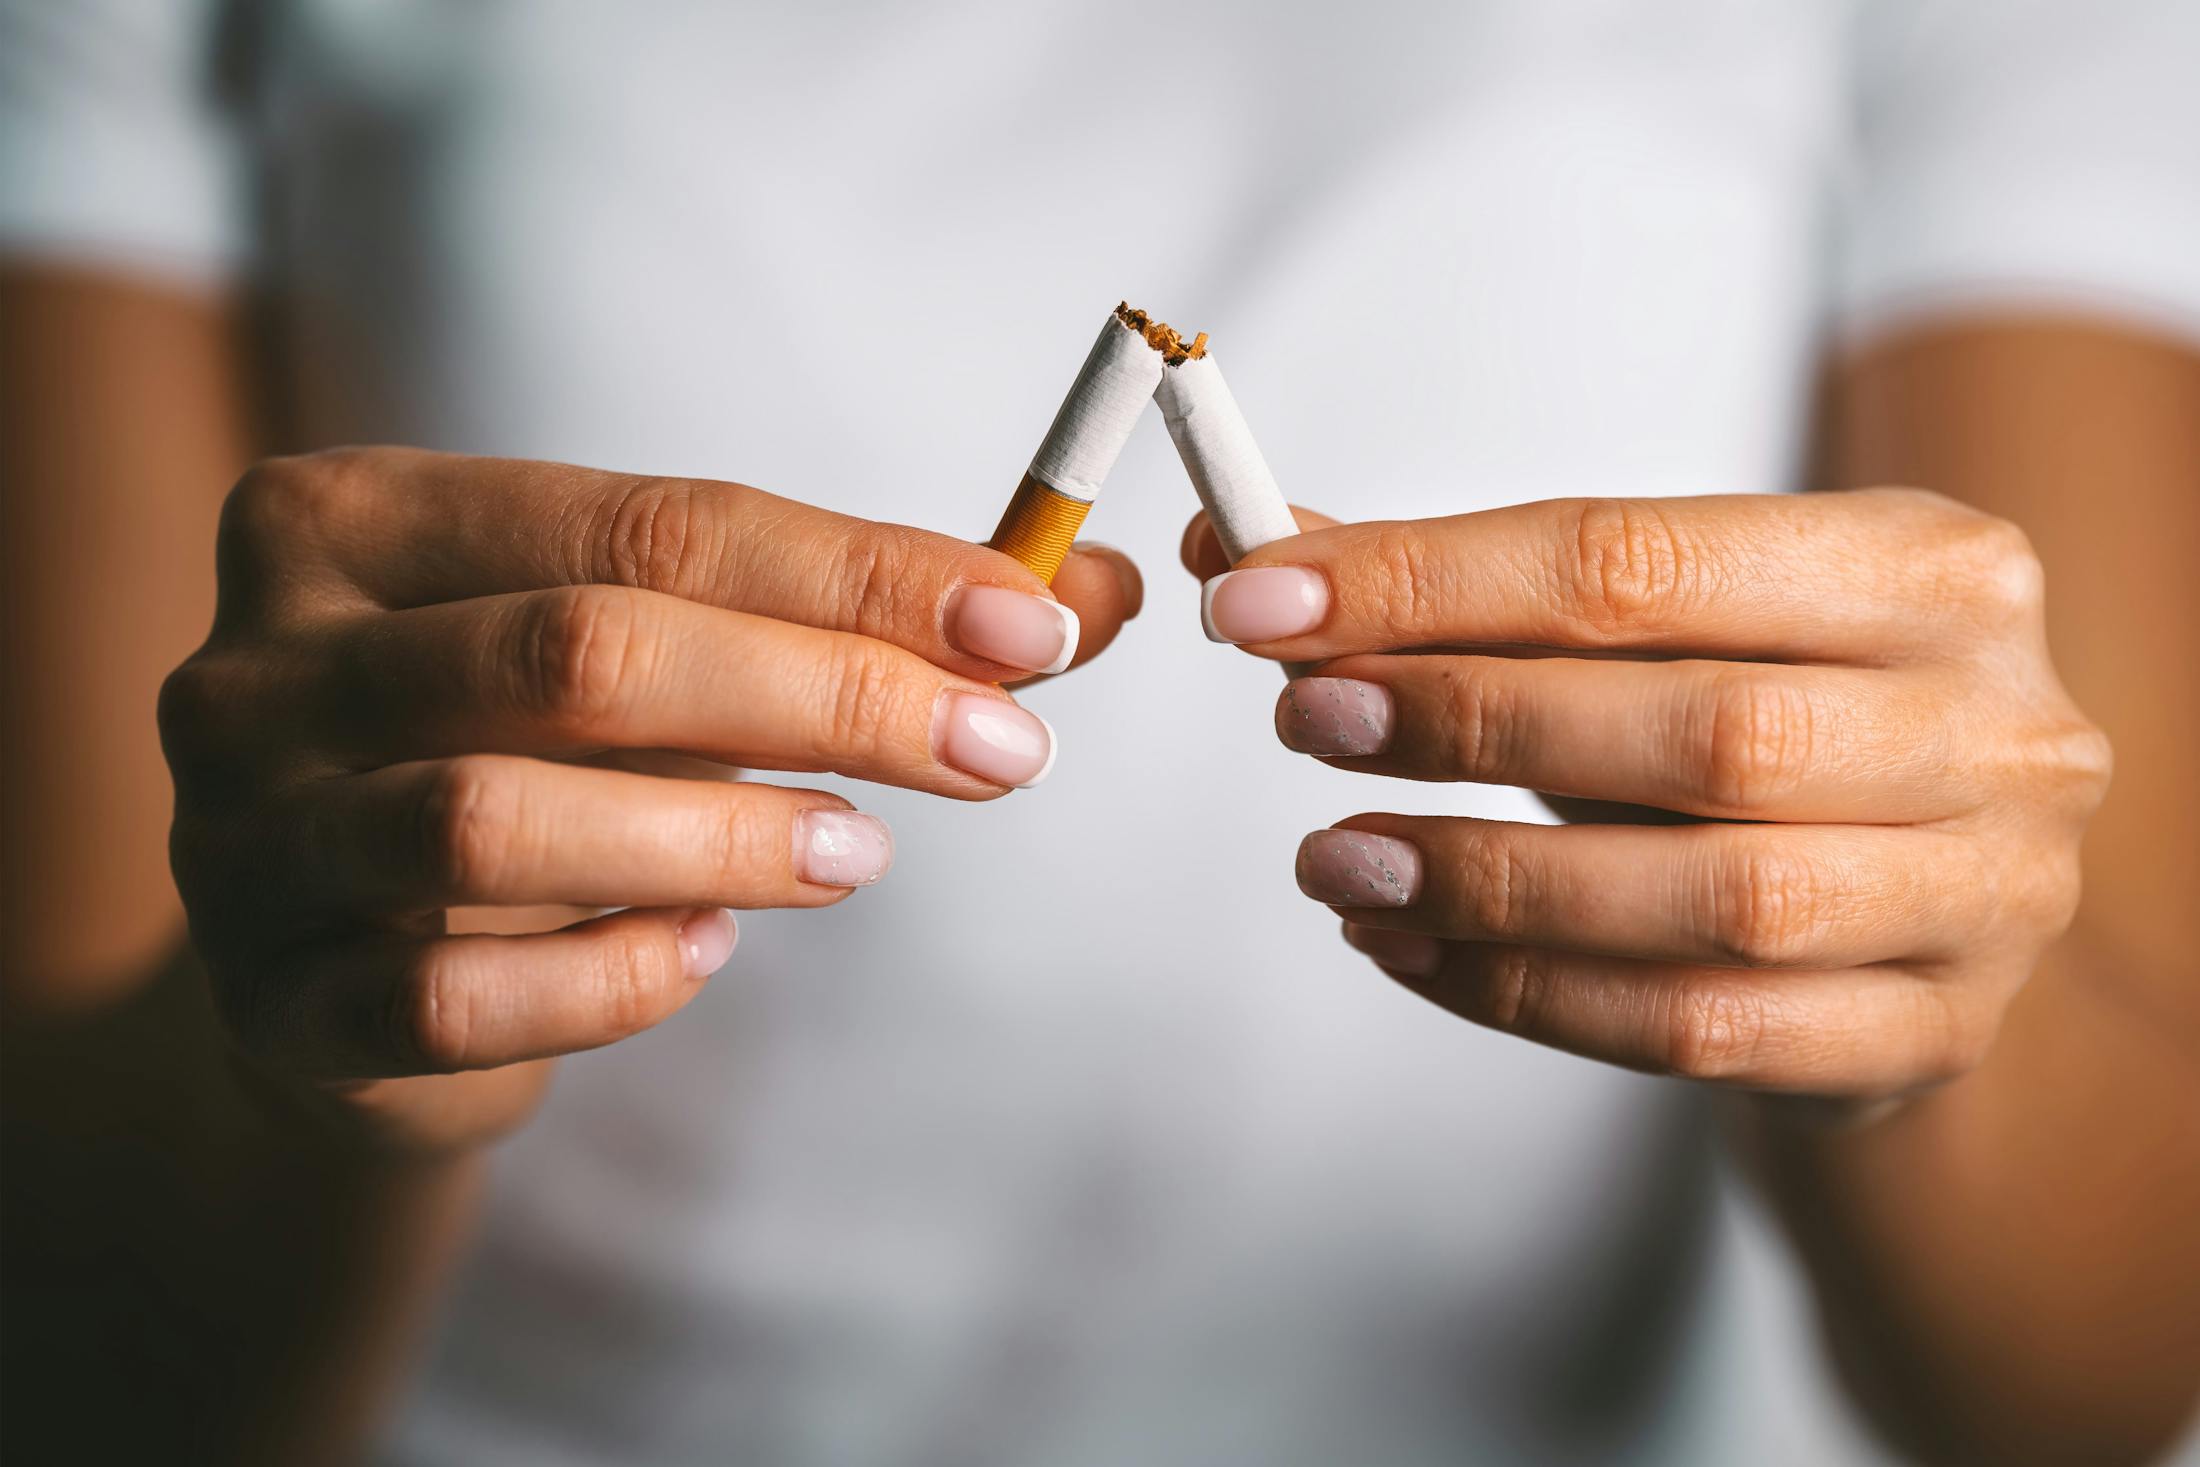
x=1161 y=336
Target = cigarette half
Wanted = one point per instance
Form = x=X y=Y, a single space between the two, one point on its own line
x=1212 y=438
x=1111 y=390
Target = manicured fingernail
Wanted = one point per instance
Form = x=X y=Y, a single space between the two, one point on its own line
x=841 y=848
x=706 y=941
x=1350 y=868
x=1264 y=603
x=993 y=739
x=1012 y=629
x=1334 y=715
x=1413 y=953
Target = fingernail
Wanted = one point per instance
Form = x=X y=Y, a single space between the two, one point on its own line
x=1012 y=628
x=1262 y=604
x=1333 y=716
x=1413 y=953
x=706 y=941
x=1350 y=868
x=841 y=848
x=993 y=739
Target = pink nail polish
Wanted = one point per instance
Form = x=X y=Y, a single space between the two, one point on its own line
x=993 y=739
x=1334 y=716
x=841 y=848
x=1015 y=630
x=706 y=940
x=1414 y=954
x=1264 y=603
x=1350 y=868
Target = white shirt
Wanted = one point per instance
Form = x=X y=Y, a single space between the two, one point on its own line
x=1082 y=1139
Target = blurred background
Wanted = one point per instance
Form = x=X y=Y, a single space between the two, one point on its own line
x=1081 y=1139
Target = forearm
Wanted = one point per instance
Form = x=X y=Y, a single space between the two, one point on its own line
x=2005 y=1267
x=121 y=425
x=182 y=1261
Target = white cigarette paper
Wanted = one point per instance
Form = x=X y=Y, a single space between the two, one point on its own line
x=1211 y=436
x=1119 y=375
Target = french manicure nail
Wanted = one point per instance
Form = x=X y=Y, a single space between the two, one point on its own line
x=1415 y=954
x=1350 y=868
x=1262 y=604
x=706 y=940
x=993 y=739
x=1012 y=628
x=841 y=848
x=1334 y=716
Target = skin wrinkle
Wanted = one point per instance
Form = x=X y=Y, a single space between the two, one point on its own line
x=1905 y=1223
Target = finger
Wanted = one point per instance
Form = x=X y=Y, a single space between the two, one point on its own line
x=1741 y=896
x=1735 y=740
x=1103 y=589
x=412 y=528
x=1578 y=811
x=593 y=667
x=1864 y=577
x=1851 y=1032
x=1201 y=549
x=411 y=1007
x=492 y=830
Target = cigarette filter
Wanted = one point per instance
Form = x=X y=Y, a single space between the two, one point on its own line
x=1095 y=420
x=1225 y=464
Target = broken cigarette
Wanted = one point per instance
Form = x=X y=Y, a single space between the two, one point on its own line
x=1211 y=436
x=1119 y=375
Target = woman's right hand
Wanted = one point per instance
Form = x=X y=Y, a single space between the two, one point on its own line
x=411 y=653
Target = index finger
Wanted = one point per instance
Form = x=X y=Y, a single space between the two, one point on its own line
x=1843 y=578
x=412 y=528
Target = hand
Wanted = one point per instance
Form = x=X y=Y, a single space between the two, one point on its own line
x=1850 y=693
x=410 y=651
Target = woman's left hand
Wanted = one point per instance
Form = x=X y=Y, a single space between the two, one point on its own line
x=1850 y=693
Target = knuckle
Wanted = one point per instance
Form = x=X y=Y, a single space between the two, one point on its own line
x=1758 y=743
x=188 y=712
x=2082 y=762
x=660 y=533
x=1768 y=912
x=2040 y=896
x=1970 y=1040
x=1498 y=878
x=582 y=649
x=1407 y=591
x=1989 y=568
x=1959 y=1035
x=864 y=701
x=469 y=827
x=738 y=843
x=431 y=1013
x=632 y=980
x=1519 y=990
x=1625 y=564
x=1714 y=1030
x=281 y=503
x=1484 y=721
x=874 y=579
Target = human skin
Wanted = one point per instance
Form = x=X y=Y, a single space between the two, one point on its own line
x=1830 y=795
x=2003 y=1262
x=439 y=707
